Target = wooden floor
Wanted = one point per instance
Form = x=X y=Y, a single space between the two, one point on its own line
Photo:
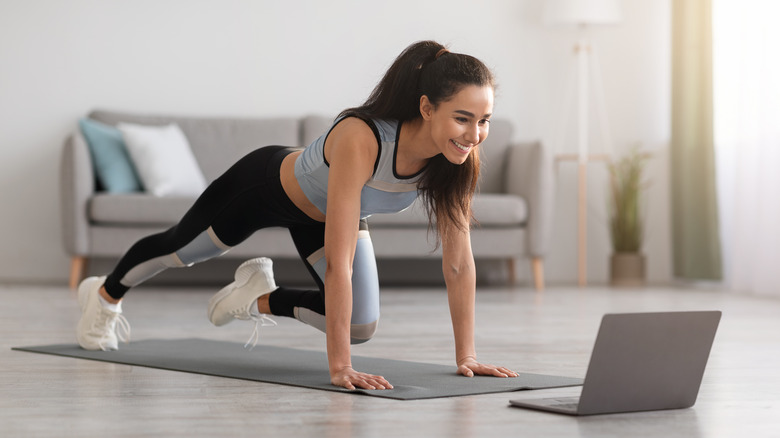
x=549 y=333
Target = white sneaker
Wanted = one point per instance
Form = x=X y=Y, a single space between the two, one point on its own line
x=97 y=328
x=253 y=279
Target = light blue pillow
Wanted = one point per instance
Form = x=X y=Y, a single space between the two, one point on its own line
x=112 y=162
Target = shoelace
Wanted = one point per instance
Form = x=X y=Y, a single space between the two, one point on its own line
x=121 y=326
x=260 y=321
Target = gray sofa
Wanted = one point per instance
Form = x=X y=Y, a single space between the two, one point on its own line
x=513 y=206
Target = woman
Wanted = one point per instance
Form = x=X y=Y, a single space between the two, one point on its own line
x=416 y=135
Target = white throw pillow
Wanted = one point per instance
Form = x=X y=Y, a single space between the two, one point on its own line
x=163 y=159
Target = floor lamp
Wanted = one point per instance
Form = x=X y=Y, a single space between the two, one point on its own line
x=584 y=14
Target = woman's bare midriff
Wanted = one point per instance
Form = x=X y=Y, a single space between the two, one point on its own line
x=293 y=189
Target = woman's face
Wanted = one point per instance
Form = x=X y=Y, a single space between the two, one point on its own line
x=461 y=123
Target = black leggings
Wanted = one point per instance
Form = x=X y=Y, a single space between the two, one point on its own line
x=248 y=197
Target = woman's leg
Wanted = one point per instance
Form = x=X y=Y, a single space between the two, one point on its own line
x=309 y=306
x=227 y=212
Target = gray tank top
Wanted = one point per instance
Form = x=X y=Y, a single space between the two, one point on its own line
x=385 y=192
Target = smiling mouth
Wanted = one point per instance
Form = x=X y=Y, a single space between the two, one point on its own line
x=462 y=147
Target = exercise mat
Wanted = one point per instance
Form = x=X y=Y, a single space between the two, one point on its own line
x=303 y=368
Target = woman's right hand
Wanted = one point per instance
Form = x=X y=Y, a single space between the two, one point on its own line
x=351 y=379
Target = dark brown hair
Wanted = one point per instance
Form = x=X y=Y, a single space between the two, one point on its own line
x=427 y=68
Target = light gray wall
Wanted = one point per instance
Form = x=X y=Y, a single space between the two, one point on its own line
x=261 y=58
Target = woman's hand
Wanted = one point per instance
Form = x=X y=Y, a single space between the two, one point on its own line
x=469 y=367
x=351 y=379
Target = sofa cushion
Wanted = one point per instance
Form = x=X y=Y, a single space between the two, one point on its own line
x=495 y=210
x=138 y=209
x=164 y=160
x=490 y=210
x=110 y=158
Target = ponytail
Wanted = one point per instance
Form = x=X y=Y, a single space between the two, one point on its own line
x=397 y=96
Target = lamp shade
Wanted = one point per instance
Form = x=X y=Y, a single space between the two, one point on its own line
x=582 y=12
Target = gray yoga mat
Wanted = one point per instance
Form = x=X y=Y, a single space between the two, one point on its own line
x=304 y=368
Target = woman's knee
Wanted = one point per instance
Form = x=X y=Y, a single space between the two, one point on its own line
x=360 y=333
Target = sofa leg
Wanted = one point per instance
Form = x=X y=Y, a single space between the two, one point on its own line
x=537 y=267
x=510 y=263
x=78 y=265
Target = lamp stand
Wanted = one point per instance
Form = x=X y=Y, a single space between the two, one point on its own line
x=585 y=67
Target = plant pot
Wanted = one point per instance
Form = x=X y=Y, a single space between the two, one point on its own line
x=627 y=269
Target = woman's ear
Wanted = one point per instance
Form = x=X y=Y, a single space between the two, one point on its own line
x=426 y=107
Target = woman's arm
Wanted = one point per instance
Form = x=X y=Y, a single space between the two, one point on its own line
x=460 y=277
x=351 y=156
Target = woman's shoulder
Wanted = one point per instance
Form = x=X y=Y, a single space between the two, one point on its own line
x=353 y=129
x=353 y=136
x=360 y=127
x=385 y=129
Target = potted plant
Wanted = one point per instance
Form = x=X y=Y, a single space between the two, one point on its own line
x=626 y=223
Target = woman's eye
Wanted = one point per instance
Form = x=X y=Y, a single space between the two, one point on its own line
x=484 y=122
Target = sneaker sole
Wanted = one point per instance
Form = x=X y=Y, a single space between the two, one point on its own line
x=227 y=290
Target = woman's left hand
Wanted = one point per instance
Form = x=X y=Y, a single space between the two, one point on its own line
x=470 y=368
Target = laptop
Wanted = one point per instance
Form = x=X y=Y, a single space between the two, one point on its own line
x=641 y=362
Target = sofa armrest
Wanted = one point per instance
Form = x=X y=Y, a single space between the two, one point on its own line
x=77 y=184
x=529 y=174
